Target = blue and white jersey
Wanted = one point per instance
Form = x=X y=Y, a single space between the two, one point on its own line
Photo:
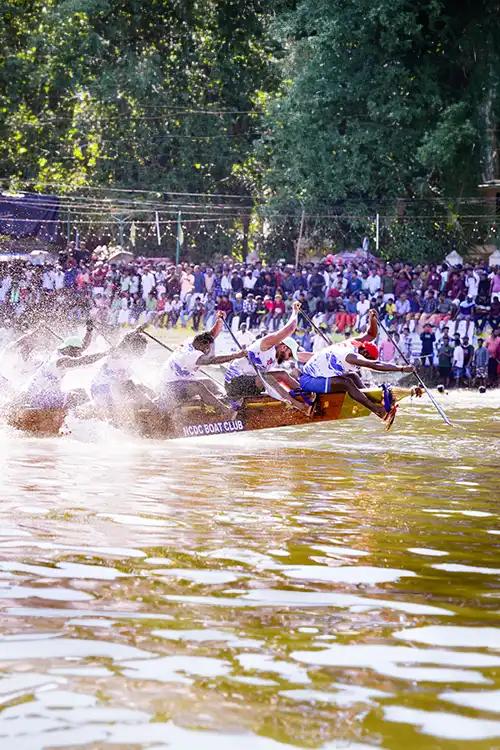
x=264 y=361
x=330 y=362
x=115 y=370
x=44 y=388
x=181 y=365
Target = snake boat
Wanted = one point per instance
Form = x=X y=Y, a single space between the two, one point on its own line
x=196 y=419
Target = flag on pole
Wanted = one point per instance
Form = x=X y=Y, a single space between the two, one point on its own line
x=180 y=238
x=77 y=239
x=132 y=234
x=157 y=224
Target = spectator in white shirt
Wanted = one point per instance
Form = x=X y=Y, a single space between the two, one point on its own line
x=373 y=282
x=362 y=308
x=58 y=279
x=472 y=283
x=48 y=280
x=148 y=281
x=249 y=282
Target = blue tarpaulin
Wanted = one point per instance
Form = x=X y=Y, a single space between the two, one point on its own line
x=29 y=215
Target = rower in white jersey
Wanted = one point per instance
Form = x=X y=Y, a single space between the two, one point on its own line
x=333 y=369
x=180 y=378
x=265 y=354
x=44 y=389
x=22 y=356
x=19 y=358
x=113 y=386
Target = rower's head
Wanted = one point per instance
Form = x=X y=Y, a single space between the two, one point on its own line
x=367 y=349
x=286 y=349
x=71 y=346
x=203 y=342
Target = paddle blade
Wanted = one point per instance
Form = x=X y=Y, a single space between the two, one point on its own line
x=438 y=408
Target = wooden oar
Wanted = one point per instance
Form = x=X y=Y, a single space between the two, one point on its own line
x=169 y=349
x=47 y=328
x=271 y=385
x=433 y=401
x=318 y=330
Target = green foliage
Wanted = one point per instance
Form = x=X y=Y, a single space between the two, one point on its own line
x=339 y=108
x=104 y=91
x=422 y=240
x=381 y=100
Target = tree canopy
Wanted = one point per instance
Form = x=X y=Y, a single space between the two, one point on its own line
x=338 y=109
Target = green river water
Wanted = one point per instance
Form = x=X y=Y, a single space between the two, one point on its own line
x=331 y=586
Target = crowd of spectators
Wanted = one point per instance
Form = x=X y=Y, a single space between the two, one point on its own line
x=444 y=318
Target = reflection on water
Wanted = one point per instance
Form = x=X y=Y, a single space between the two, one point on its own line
x=333 y=587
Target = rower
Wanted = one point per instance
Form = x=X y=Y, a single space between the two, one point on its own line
x=179 y=379
x=44 y=389
x=333 y=369
x=113 y=386
x=266 y=354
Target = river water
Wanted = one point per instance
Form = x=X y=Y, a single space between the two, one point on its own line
x=320 y=587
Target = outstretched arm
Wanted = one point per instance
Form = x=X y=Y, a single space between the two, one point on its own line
x=355 y=359
x=267 y=342
x=86 y=359
x=221 y=360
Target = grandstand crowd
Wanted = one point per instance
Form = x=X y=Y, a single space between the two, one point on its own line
x=443 y=318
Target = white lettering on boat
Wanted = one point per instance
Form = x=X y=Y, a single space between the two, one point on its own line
x=213 y=428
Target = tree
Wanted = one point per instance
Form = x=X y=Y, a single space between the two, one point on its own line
x=157 y=94
x=382 y=99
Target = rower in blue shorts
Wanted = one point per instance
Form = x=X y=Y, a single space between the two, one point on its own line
x=333 y=369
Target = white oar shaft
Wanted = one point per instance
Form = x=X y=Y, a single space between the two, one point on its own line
x=433 y=401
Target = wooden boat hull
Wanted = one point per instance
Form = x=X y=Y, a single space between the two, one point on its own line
x=37 y=421
x=198 y=420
